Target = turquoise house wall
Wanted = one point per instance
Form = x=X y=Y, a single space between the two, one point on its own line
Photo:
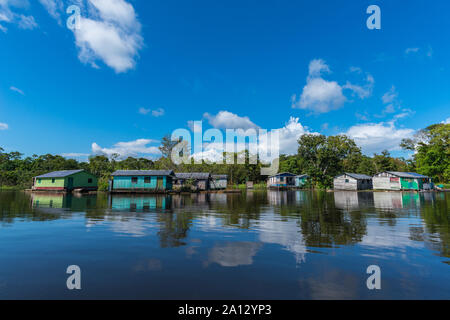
x=124 y=182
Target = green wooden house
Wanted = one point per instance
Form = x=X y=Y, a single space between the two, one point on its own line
x=392 y=180
x=65 y=181
x=141 y=181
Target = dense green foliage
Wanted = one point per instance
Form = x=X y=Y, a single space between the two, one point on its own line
x=432 y=151
x=322 y=158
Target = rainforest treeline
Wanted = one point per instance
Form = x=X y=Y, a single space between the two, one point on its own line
x=319 y=156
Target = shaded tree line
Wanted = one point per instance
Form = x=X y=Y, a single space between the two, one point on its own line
x=319 y=156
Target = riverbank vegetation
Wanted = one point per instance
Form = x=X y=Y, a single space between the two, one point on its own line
x=319 y=156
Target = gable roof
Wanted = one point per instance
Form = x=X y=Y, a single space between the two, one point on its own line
x=413 y=175
x=125 y=173
x=193 y=175
x=59 y=174
x=283 y=174
x=357 y=176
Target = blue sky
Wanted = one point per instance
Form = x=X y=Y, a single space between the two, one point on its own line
x=136 y=70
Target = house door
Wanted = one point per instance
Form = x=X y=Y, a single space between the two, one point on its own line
x=70 y=183
x=160 y=183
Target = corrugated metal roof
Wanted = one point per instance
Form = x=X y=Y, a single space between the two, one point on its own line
x=59 y=174
x=407 y=174
x=357 y=176
x=193 y=175
x=283 y=174
x=219 y=176
x=302 y=176
x=143 y=173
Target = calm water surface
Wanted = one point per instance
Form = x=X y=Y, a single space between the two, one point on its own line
x=254 y=245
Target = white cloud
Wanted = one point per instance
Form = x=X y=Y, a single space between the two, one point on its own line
x=375 y=137
x=447 y=121
x=3 y=126
x=126 y=149
x=75 y=155
x=228 y=120
x=317 y=67
x=288 y=142
x=27 y=22
x=364 y=91
x=144 y=111
x=320 y=95
x=12 y=88
x=53 y=7
x=390 y=96
x=8 y=14
x=108 y=31
x=156 y=113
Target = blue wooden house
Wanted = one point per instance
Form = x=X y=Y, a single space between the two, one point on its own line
x=141 y=181
x=282 y=180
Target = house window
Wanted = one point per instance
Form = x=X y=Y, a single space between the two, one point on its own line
x=147 y=180
x=346 y=180
x=53 y=180
x=90 y=180
x=395 y=179
x=134 y=180
x=39 y=180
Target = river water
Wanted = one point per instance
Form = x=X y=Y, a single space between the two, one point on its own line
x=254 y=245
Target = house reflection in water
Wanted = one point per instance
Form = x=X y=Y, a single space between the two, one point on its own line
x=396 y=200
x=140 y=203
x=44 y=200
x=353 y=200
x=63 y=201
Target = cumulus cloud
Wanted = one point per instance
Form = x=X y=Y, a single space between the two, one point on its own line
x=128 y=149
x=229 y=120
x=108 y=31
x=4 y=126
x=447 y=121
x=320 y=95
x=375 y=137
x=12 y=88
x=288 y=142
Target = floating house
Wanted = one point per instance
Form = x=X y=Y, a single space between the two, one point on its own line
x=282 y=180
x=392 y=180
x=141 y=181
x=219 y=181
x=301 y=180
x=65 y=181
x=198 y=181
x=352 y=181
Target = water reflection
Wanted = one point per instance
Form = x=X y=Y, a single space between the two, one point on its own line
x=277 y=234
